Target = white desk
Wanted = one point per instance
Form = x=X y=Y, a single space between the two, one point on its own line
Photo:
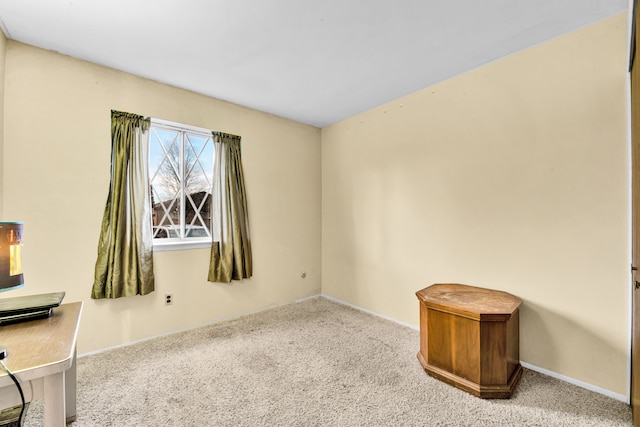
x=42 y=355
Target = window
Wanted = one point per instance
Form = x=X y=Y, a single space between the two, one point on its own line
x=180 y=177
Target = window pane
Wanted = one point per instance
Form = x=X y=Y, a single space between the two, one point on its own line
x=166 y=219
x=198 y=159
x=180 y=176
x=164 y=163
x=198 y=175
x=164 y=172
x=198 y=214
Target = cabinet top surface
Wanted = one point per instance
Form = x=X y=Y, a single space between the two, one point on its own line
x=469 y=299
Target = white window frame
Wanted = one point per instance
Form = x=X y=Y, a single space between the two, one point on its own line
x=180 y=243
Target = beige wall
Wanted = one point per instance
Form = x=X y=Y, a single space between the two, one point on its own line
x=512 y=176
x=56 y=166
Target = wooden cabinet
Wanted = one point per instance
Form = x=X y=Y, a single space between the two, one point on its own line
x=469 y=338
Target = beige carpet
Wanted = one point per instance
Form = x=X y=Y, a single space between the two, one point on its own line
x=313 y=363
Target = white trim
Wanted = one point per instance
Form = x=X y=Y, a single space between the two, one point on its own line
x=582 y=384
x=199 y=325
x=182 y=131
x=159 y=246
x=630 y=234
x=630 y=203
x=339 y=301
x=180 y=126
x=590 y=387
x=552 y=374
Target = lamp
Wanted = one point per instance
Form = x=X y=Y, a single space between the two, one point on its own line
x=11 y=255
x=28 y=307
x=11 y=277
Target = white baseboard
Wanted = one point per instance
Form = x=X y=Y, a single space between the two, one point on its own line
x=199 y=325
x=582 y=384
x=339 y=301
x=590 y=387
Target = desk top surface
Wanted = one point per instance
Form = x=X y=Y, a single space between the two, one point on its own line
x=40 y=347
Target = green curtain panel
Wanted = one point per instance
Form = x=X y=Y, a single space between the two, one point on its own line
x=231 y=247
x=125 y=251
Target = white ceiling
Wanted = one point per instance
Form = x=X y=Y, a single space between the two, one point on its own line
x=314 y=61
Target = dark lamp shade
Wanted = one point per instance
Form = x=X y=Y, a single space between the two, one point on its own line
x=11 y=255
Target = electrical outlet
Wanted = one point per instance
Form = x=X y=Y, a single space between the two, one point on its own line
x=168 y=299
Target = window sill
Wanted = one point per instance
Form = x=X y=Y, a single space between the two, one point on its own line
x=179 y=246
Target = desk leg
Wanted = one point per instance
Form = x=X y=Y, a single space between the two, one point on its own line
x=70 y=390
x=54 y=400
